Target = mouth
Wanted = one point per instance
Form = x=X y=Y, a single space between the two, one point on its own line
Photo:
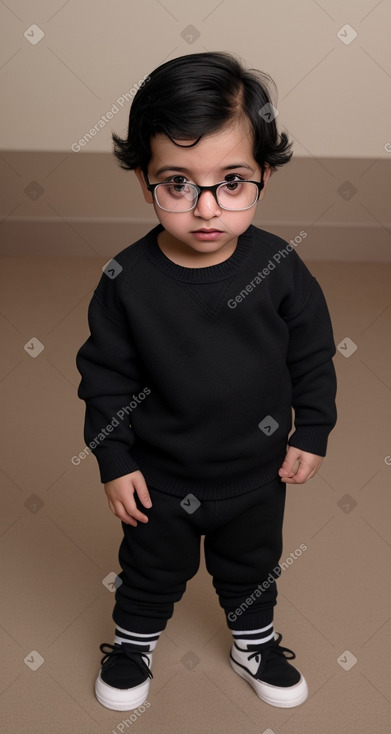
x=207 y=235
x=206 y=230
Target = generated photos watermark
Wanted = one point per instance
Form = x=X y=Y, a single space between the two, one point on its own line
x=262 y=274
x=131 y=719
x=104 y=432
x=105 y=119
x=277 y=570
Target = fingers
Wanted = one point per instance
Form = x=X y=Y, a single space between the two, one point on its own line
x=142 y=490
x=291 y=464
x=289 y=469
x=299 y=466
x=118 y=509
x=127 y=511
x=301 y=474
x=130 y=513
x=121 y=498
x=122 y=513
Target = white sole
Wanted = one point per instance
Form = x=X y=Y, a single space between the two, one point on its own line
x=120 y=699
x=284 y=698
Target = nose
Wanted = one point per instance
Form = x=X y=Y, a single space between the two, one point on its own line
x=207 y=206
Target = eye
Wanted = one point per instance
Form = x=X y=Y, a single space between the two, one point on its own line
x=233 y=180
x=178 y=179
x=179 y=182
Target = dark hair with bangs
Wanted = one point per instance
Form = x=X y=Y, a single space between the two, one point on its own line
x=195 y=95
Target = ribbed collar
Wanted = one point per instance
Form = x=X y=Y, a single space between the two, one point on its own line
x=209 y=274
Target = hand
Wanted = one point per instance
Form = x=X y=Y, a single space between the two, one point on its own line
x=298 y=466
x=120 y=495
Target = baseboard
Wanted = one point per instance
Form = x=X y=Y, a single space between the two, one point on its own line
x=80 y=237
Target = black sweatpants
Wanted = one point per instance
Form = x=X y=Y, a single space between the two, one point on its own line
x=242 y=544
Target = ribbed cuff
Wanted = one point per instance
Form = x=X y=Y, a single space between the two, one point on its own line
x=114 y=464
x=313 y=440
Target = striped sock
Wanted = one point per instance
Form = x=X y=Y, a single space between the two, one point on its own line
x=253 y=639
x=146 y=642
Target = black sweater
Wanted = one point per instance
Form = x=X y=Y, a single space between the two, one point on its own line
x=190 y=374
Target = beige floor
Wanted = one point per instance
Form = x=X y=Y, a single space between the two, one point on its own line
x=59 y=541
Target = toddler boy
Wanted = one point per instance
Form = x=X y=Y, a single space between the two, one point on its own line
x=204 y=334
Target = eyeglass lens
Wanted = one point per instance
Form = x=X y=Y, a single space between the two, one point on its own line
x=234 y=195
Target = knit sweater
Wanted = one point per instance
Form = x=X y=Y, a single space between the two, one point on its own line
x=190 y=375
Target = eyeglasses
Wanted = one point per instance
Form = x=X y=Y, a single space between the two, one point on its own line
x=180 y=197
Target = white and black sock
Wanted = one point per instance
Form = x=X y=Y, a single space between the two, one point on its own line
x=253 y=639
x=142 y=641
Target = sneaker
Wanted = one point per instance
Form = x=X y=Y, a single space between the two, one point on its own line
x=267 y=670
x=123 y=680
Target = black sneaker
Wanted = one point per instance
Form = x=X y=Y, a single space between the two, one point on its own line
x=123 y=680
x=267 y=670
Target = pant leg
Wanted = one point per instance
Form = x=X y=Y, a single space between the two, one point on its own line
x=242 y=556
x=157 y=559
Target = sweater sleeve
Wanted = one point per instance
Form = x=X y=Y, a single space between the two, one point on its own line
x=108 y=366
x=310 y=352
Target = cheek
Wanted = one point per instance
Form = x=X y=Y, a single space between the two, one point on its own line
x=179 y=219
x=162 y=216
x=239 y=222
x=248 y=216
x=175 y=223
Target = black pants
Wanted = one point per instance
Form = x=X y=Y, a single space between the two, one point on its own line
x=243 y=545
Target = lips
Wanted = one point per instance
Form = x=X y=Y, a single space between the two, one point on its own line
x=207 y=235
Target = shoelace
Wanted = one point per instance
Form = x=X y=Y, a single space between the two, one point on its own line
x=276 y=647
x=112 y=652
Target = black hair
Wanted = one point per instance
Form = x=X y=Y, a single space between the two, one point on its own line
x=198 y=94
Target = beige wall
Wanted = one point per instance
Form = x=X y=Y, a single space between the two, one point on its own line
x=334 y=99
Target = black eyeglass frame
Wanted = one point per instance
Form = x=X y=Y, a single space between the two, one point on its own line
x=201 y=189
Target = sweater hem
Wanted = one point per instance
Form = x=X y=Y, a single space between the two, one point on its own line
x=210 y=489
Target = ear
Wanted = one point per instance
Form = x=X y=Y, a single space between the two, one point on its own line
x=147 y=194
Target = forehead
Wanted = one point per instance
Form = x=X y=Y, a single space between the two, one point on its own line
x=216 y=151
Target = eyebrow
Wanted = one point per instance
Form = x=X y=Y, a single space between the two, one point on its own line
x=232 y=166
